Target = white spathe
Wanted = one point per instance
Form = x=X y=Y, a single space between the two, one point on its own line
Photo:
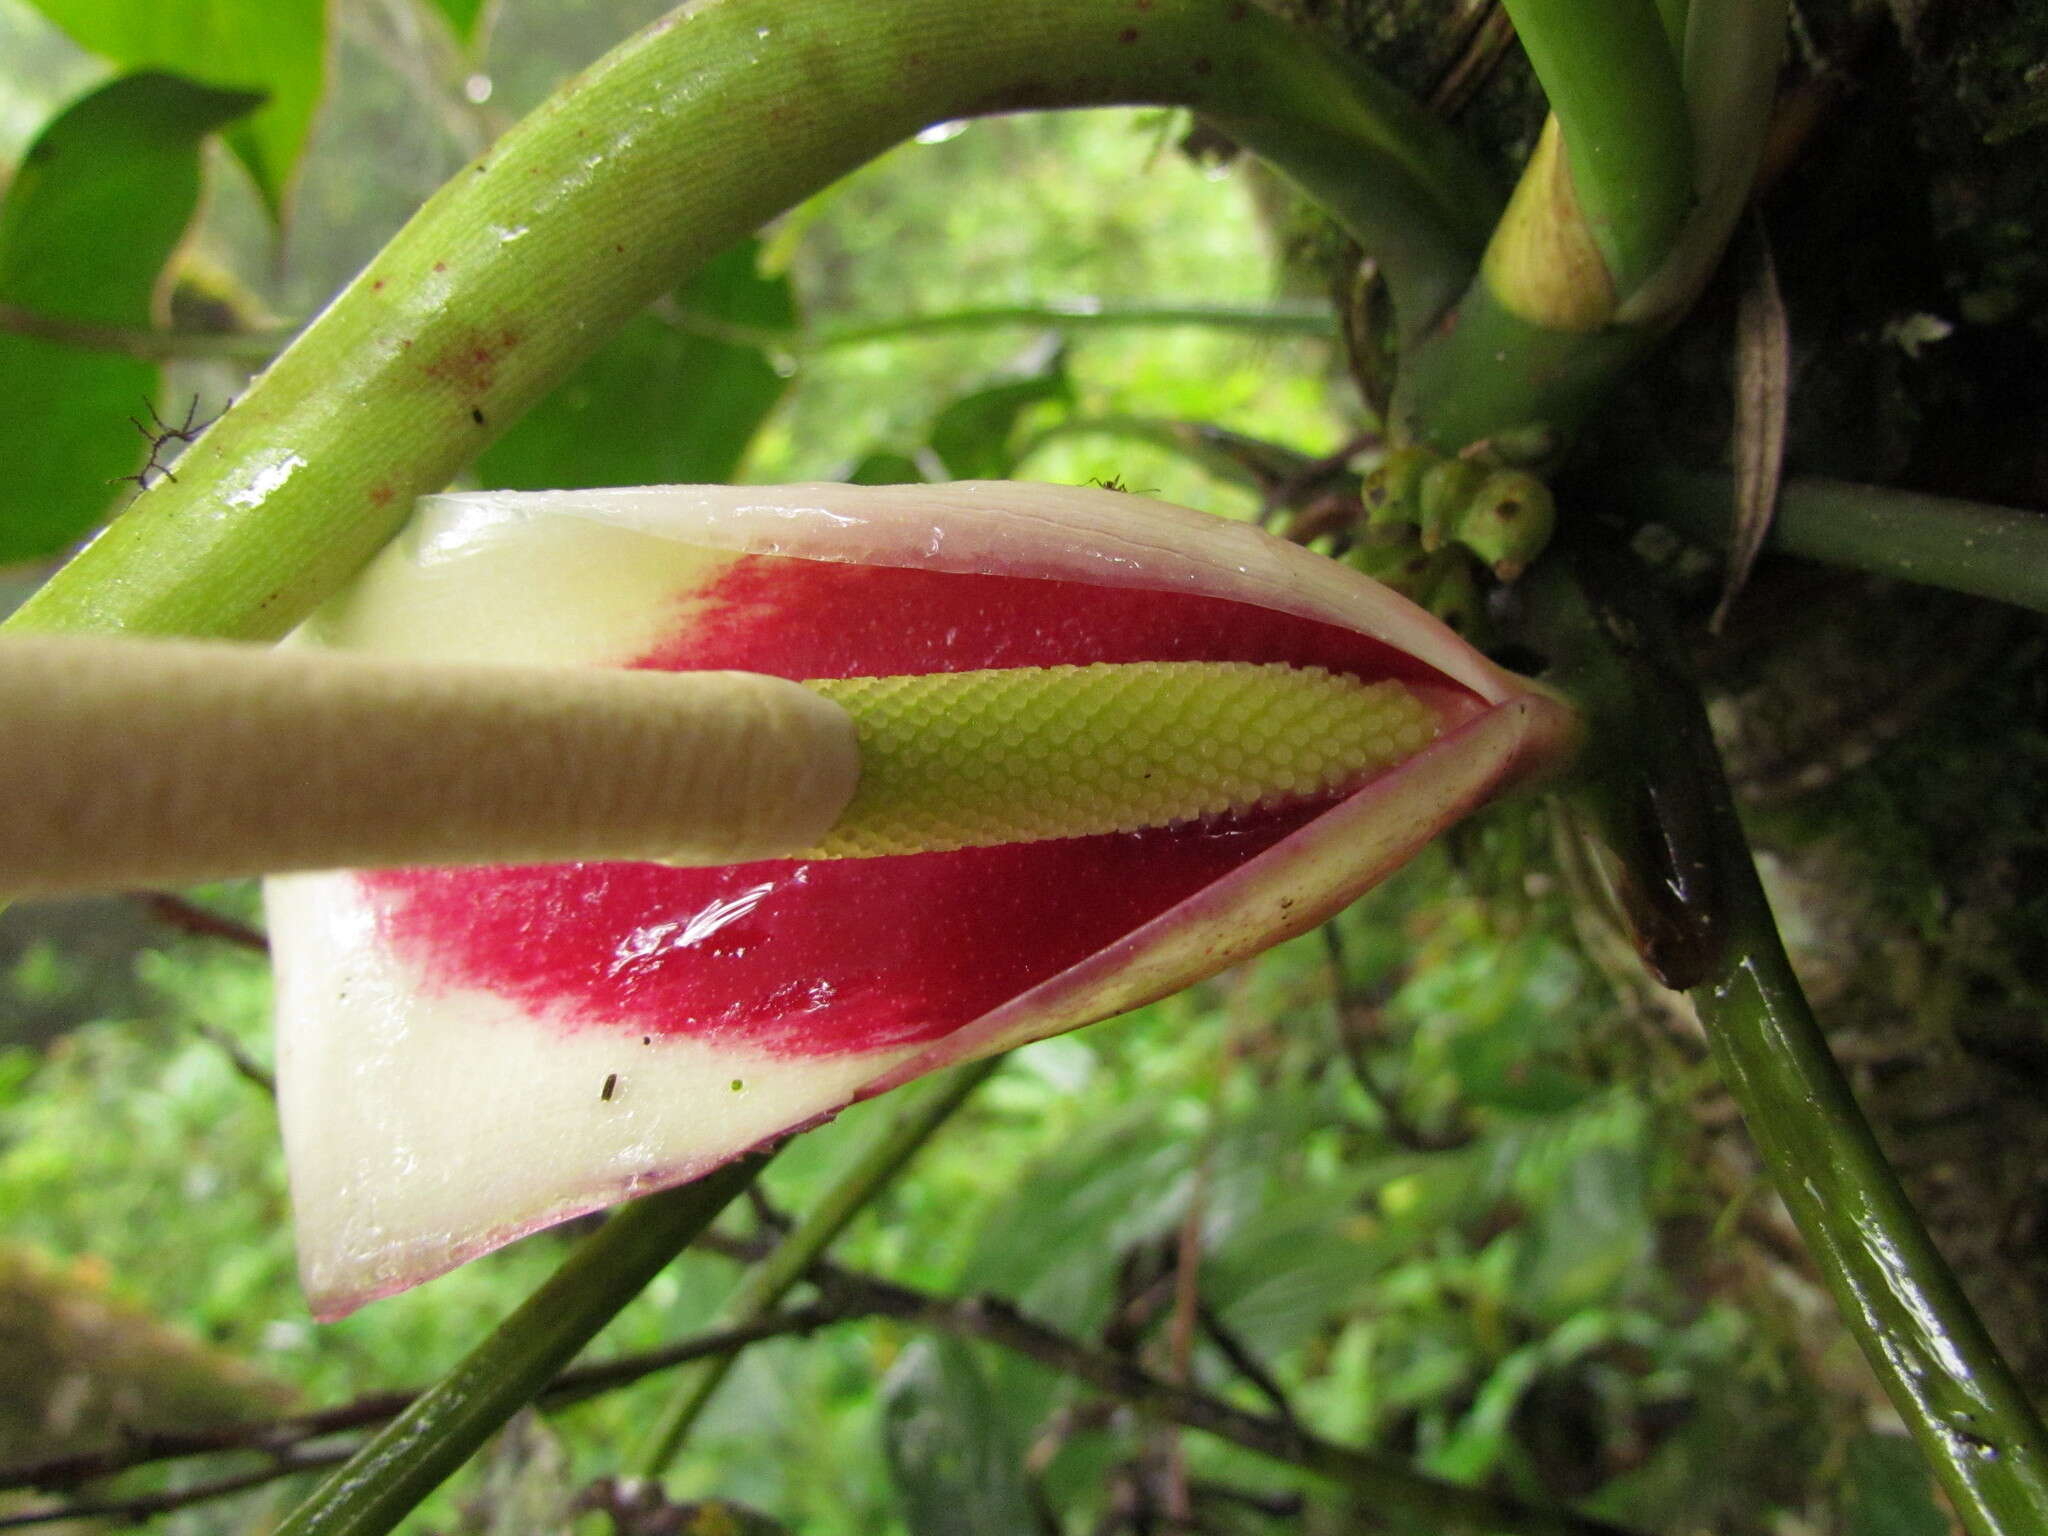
x=426 y=1124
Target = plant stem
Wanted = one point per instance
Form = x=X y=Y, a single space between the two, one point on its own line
x=1231 y=456
x=1924 y=1341
x=1659 y=171
x=1612 y=77
x=769 y=1281
x=1494 y=372
x=1276 y=319
x=1380 y=1482
x=1280 y=318
x=285 y=1439
x=409 y=1458
x=1966 y=546
x=683 y=139
x=1385 y=1487
x=1731 y=52
x=151 y=346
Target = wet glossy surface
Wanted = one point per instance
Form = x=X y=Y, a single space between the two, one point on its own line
x=822 y=958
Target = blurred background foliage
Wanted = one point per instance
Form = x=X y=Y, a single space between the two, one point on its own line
x=1445 y=1188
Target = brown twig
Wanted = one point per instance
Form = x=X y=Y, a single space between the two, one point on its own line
x=152 y=346
x=1243 y=1361
x=1485 y=44
x=288 y=1436
x=189 y=917
x=246 y=1066
x=1346 y=1009
x=1380 y=1482
x=143 y=1506
x=1183 y=1325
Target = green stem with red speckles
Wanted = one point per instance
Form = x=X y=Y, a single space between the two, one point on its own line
x=683 y=139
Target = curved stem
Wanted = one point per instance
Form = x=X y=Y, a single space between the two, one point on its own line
x=152 y=346
x=1587 y=269
x=1731 y=54
x=770 y=1280
x=1231 y=456
x=1280 y=318
x=1494 y=372
x=688 y=136
x=411 y=1455
x=1943 y=541
x=1276 y=319
x=1901 y=1302
x=1612 y=77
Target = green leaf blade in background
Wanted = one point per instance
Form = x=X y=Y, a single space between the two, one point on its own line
x=94 y=214
x=974 y=435
x=464 y=17
x=885 y=466
x=948 y=1444
x=277 y=47
x=660 y=404
x=1887 y=1491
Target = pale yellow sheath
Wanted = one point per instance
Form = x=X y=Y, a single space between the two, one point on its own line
x=130 y=762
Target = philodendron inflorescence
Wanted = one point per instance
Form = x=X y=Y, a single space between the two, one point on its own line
x=1224 y=739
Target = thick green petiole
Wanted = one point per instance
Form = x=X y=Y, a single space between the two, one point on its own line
x=1900 y=1300
x=685 y=138
x=1614 y=83
x=1943 y=541
x=1496 y=374
x=1620 y=217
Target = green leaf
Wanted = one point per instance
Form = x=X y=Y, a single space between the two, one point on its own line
x=462 y=16
x=973 y=435
x=1590 y=1239
x=1887 y=1491
x=99 y=204
x=942 y=1430
x=1496 y=1069
x=1056 y=1239
x=277 y=47
x=658 y=405
x=885 y=467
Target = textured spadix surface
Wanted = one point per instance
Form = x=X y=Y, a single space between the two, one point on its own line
x=468 y=1054
x=969 y=759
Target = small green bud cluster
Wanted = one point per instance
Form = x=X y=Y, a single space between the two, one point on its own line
x=1427 y=524
x=1503 y=516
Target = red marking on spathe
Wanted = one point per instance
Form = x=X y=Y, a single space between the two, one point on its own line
x=1128 y=35
x=380 y=495
x=821 y=959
